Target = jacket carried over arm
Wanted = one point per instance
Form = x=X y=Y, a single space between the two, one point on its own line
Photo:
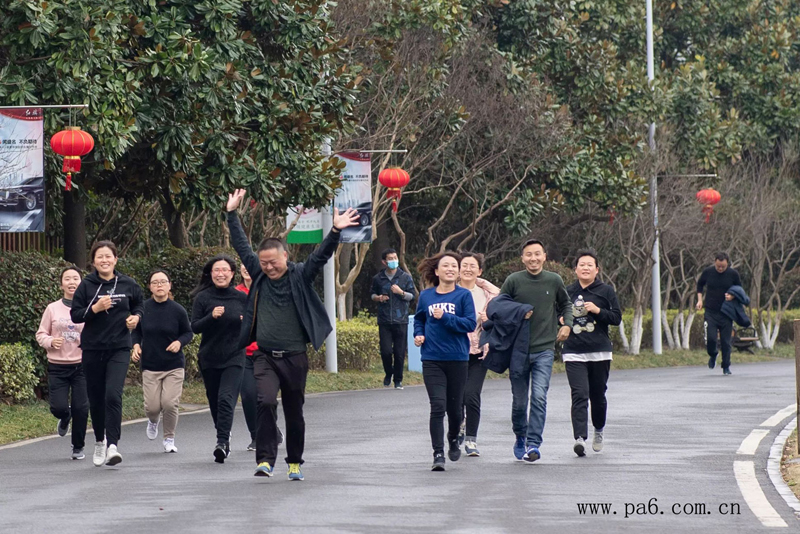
x=301 y=277
x=507 y=332
x=734 y=309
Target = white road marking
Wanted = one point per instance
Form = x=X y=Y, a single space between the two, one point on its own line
x=780 y=416
x=754 y=496
x=751 y=442
x=22 y=224
x=774 y=467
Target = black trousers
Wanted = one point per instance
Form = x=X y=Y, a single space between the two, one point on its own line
x=250 y=398
x=445 y=382
x=476 y=374
x=105 y=372
x=393 y=342
x=588 y=380
x=718 y=322
x=287 y=375
x=65 y=381
x=222 y=392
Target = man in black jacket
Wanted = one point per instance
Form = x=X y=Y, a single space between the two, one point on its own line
x=283 y=314
x=717 y=280
x=393 y=289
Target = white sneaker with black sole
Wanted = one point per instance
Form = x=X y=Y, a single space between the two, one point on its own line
x=113 y=457
x=580 y=447
x=169 y=445
x=99 y=456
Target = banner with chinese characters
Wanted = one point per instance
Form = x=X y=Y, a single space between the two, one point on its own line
x=21 y=170
x=308 y=228
x=356 y=192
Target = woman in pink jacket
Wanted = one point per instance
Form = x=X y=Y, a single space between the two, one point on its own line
x=61 y=338
x=482 y=292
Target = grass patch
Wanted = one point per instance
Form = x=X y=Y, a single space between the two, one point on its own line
x=790 y=464
x=30 y=420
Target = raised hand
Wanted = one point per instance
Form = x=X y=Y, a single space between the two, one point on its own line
x=346 y=219
x=235 y=198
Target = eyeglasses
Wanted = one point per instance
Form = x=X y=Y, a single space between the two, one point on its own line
x=159 y=282
x=220 y=271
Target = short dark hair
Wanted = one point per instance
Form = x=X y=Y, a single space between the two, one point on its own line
x=270 y=243
x=587 y=252
x=478 y=257
x=530 y=242
x=100 y=244
x=386 y=252
x=70 y=268
x=427 y=267
x=155 y=272
x=722 y=256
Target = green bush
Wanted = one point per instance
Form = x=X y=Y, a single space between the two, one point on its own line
x=17 y=372
x=498 y=273
x=183 y=266
x=358 y=348
x=29 y=281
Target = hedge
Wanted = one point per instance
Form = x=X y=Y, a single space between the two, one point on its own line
x=18 y=374
x=498 y=273
x=357 y=344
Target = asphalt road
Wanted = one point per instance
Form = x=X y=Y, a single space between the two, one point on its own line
x=672 y=435
x=21 y=221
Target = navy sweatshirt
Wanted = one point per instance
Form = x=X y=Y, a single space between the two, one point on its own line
x=163 y=323
x=446 y=339
x=219 y=346
x=106 y=330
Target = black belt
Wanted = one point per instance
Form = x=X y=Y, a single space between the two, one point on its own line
x=281 y=353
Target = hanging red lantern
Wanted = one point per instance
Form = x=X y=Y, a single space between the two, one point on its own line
x=72 y=143
x=708 y=198
x=394 y=180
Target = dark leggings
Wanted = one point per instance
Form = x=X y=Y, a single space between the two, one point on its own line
x=222 y=392
x=105 y=372
x=588 y=380
x=65 y=381
x=445 y=382
x=472 y=395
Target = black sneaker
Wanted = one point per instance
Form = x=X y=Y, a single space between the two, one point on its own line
x=438 y=462
x=221 y=451
x=727 y=371
x=455 y=451
x=63 y=426
x=712 y=362
x=252 y=446
x=398 y=385
x=77 y=453
x=387 y=381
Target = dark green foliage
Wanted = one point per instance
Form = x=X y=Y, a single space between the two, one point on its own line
x=498 y=273
x=18 y=374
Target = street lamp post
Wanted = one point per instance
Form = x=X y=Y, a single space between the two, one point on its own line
x=656 y=280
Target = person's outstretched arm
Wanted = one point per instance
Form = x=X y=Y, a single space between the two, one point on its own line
x=317 y=259
x=238 y=237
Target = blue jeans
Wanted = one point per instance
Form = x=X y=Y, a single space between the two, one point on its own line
x=538 y=372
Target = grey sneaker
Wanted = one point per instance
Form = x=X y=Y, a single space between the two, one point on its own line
x=579 y=447
x=597 y=441
x=77 y=454
x=63 y=426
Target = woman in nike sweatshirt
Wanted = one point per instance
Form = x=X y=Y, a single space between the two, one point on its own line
x=110 y=305
x=66 y=383
x=444 y=318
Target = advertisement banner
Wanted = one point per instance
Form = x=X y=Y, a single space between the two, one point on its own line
x=356 y=192
x=21 y=170
x=308 y=228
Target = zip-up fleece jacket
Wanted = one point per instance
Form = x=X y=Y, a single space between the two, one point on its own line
x=603 y=296
x=106 y=330
x=395 y=310
x=310 y=309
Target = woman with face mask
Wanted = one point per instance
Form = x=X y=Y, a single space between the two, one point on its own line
x=110 y=305
x=66 y=383
x=445 y=315
x=158 y=342
x=217 y=314
x=587 y=352
x=482 y=292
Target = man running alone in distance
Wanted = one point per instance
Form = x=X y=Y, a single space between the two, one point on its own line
x=283 y=314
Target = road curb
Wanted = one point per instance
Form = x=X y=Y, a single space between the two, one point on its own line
x=774 y=468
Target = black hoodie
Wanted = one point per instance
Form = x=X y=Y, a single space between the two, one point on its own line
x=603 y=296
x=106 y=330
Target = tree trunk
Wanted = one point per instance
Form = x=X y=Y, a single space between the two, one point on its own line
x=345 y=266
x=687 y=331
x=666 y=330
x=637 y=330
x=74 y=229
x=175 y=227
x=626 y=346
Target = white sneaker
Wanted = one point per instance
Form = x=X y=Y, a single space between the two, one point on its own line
x=169 y=445
x=597 y=441
x=152 y=430
x=579 y=447
x=99 y=456
x=113 y=457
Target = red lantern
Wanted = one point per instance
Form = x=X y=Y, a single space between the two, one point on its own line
x=708 y=197
x=72 y=143
x=394 y=179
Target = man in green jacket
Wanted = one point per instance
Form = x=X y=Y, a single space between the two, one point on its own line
x=545 y=291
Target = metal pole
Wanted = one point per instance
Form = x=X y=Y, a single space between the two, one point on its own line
x=329 y=277
x=47 y=106
x=656 y=280
x=796 y=326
